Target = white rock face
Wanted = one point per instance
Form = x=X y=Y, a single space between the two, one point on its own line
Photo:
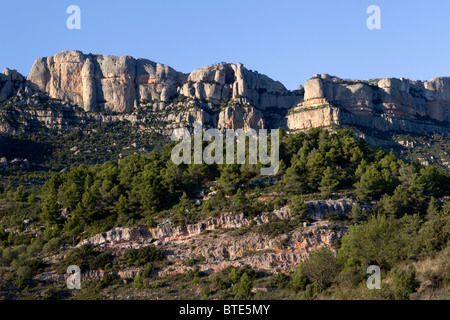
x=318 y=210
x=119 y=83
x=229 y=96
x=167 y=232
x=382 y=104
x=75 y=77
x=240 y=118
x=118 y=235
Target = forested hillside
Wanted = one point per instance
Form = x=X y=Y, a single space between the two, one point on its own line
x=399 y=220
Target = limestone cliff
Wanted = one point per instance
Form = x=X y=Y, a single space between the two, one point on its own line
x=99 y=82
x=382 y=104
x=13 y=83
x=224 y=95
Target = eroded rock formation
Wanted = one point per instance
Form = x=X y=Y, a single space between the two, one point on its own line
x=224 y=95
x=317 y=210
x=384 y=104
x=101 y=82
x=12 y=83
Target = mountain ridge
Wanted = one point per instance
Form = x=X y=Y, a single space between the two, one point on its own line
x=227 y=95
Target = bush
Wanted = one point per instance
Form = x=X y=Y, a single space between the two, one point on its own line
x=298 y=279
x=138 y=282
x=281 y=281
x=142 y=256
x=88 y=295
x=52 y=245
x=87 y=258
x=310 y=291
x=25 y=272
x=404 y=284
x=273 y=229
x=435 y=233
x=381 y=241
x=321 y=267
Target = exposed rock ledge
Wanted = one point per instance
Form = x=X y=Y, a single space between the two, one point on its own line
x=317 y=210
x=166 y=232
x=381 y=104
x=221 y=250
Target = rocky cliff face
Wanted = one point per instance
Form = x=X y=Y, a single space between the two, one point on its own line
x=221 y=250
x=13 y=83
x=99 y=82
x=166 y=232
x=317 y=210
x=382 y=104
x=226 y=96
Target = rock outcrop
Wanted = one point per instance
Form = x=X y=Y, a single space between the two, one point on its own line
x=318 y=210
x=382 y=104
x=165 y=232
x=214 y=241
x=103 y=82
x=100 y=82
x=168 y=232
x=13 y=83
x=218 y=249
x=225 y=96
x=240 y=117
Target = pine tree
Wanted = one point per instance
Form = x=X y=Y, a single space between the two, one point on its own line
x=185 y=207
x=434 y=209
x=243 y=289
x=299 y=208
x=232 y=276
x=21 y=194
x=295 y=178
x=329 y=183
x=298 y=279
x=230 y=178
x=356 y=213
x=370 y=184
x=321 y=267
x=51 y=211
x=73 y=226
x=88 y=202
x=123 y=210
x=240 y=200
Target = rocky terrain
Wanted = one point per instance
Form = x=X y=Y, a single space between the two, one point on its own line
x=70 y=90
x=380 y=104
x=213 y=240
x=122 y=84
x=222 y=95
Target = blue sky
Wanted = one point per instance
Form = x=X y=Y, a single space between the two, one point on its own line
x=289 y=41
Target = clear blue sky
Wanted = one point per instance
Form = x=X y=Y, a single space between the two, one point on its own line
x=288 y=40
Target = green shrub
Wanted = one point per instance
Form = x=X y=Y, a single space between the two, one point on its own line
x=321 y=267
x=142 y=256
x=87 y=258
x=404 y=283
x=298 y=279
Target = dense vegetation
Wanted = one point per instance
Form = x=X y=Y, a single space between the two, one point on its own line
x=401 y=220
